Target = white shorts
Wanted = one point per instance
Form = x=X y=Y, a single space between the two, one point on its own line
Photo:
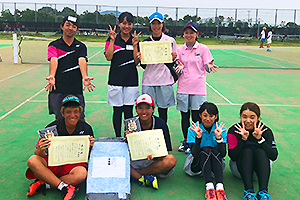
x=269 y=41
x=163 y=96
x=186 y=102
x=122 y=95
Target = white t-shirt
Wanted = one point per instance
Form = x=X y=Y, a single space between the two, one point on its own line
x=263 y=34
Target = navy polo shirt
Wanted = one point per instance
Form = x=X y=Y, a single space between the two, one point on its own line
x=82 y=128
x=68 y=78
x=122 y=70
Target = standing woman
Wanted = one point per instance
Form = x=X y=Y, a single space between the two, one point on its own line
x=123 y=77
x=251 y=147
x=158 y=78
x=194 y=59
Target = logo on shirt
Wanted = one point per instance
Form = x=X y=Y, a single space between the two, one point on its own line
x=77 y=45
x=81 y=132
x=197 y=54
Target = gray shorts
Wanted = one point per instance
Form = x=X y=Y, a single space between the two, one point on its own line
x=163 y=96
x=141 y=164
x=186 y=102
x=122 y=95
x=54 y=103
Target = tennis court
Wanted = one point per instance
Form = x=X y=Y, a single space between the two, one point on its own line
x=246 y=74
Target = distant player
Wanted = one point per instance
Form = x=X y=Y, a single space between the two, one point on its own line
x=269 y=39
x=68 y=68
x=262 y=37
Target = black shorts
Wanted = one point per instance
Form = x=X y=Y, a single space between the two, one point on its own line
x=54 y=103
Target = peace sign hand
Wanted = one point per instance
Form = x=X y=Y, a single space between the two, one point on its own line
x=112 y=33
x=258 y=130
x=242 y=131
x=197 y=129
x=135 y=39
x=219 y=130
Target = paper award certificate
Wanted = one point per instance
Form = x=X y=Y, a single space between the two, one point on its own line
x=144 y=143
x=156 y=52
x=68 y=149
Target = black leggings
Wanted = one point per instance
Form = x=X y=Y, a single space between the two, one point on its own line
x=117 y=117
x=163 y=113
x=254 y=161
x=185 y=120
x=208 y=160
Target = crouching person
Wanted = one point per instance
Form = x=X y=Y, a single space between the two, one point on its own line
x=146 y=171
x=63 y=177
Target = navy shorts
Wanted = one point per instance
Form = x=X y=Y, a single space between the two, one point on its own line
x=54 y=103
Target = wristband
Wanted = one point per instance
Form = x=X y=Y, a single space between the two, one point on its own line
x=261 y=140
x=220 y=140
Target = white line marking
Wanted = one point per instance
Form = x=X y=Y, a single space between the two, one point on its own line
x=219 y=94
x=255 y=59
x=21 y=104
x=19 y=73
x=96 y=53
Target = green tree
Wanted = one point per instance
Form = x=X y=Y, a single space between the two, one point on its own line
x=27 y=15
x=67 y=11
x=6 y=15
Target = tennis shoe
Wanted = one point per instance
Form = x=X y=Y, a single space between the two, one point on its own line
x=148 y=181
x=221 y=195
x=269 y=50
x=263 y=195
x=69 y=192
x=249 y=195
x=183 y=147
x=210 y=194
x=36 y=187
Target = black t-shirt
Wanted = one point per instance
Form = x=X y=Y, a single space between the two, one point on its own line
x=68 y=78
x=82 y=128
x=161 y=124
x=122 y=70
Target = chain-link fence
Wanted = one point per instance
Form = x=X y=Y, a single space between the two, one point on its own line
x=47 y=17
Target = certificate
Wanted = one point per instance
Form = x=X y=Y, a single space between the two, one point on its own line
x=156 y=52
x=144 y=143
x=68 y=149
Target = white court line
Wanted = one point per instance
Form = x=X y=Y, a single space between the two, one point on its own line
x=19 y=73
x=219 y=94
x=96 y=53
x=21 y=104
x=254 y=59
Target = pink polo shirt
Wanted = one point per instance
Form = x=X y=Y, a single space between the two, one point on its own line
x=192 y=80
x=159 y=74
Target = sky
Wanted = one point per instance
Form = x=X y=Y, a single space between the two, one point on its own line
x=206 y=8
x=262 y=4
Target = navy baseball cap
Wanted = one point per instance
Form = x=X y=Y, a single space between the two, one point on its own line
x=70 y=98
x=157 y=16
x=71 y=19
x=191 y=25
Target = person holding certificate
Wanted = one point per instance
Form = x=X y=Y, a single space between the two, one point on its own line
x=123 y=77
x=194 y=60
x=146 y=170
x=158 y=78
x=63 y=177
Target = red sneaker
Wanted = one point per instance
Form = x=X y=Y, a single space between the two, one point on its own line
x=36 y=187
x=221 y=195
x=68 y=192
x=210 y=194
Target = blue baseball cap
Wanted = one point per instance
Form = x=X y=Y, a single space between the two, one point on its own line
x=157 y=16
x=191 y=25
x=70 y=98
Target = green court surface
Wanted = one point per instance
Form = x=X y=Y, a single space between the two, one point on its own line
x=23 y=111
x=5 y=45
